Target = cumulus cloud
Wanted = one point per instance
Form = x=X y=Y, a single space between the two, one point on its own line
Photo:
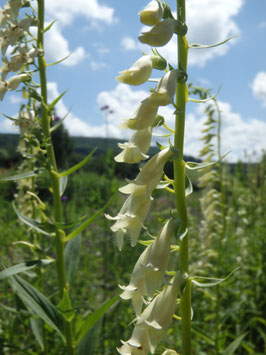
x=67 y=10
x=209 y=22
x=130 y=44
x=258 y=87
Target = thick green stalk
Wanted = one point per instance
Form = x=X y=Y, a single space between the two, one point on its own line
x=55 y=184
x=179 y=182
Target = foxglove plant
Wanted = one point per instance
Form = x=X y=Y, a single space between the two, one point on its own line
x=152 y=322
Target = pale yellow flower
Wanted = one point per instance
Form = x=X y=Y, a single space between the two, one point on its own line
x=135 y=150
x=160 y=34
x=152 y=13
x=143 y=117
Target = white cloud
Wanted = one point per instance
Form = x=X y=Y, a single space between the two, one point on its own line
x=129 y=44
x=67 y=10
x=258 y=87
x=98 y=65
x=57 y=47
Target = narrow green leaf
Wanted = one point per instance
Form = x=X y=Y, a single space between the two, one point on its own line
x=200 y=46
x=85 y=224
x=162 y=185
x=234 y=345
x=77 y=166
x=36 y=302
x=93 y=318
x=59 y=61
x=71 y=253
x=52 y=105
x=8 y=117
x=195 y=166
x=213 y=281
x=204 y=336
x=25 y=266
x=37 y=330
x=88 y=344
x=34 y=224
x=59 y=123
x=27 y=175
x=49 y=26
x=65 y=308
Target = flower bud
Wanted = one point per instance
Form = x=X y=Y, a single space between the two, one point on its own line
x=143 y=117
x=165 y=90
x=139 y=73
x=152 y=13
x=160 y=34
x=135 y=150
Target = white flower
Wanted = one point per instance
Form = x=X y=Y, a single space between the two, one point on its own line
x=153 y=322
x=3 y=89
x=135 y=150
x=160 y=34
x=152 y=13
x=131 y=216
x=133 y=213
x=14 y=81
x=139 y=73
x=149 y=270
x=143 y=117
x=165 y=90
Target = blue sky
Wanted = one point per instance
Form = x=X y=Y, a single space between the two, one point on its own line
x=102 y=37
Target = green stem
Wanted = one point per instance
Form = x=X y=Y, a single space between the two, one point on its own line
x=179 y=182
x=55 y=184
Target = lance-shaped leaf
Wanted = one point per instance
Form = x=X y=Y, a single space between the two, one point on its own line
x=37 y=329
x=93 y=318
x=77 y=166
x=88 y=343
x=39 y=227
x=85 y=224
x=71 y=254
x=196 y=166
x=26 y=175
x=36 y=302
x=52 y=105
x=234 y=345
x=25 y=266
x=211 y=281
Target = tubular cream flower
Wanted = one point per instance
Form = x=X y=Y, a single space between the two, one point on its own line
x=3 y=90
x=160 y=34
x=135 y=150
x=139 y=73
x=152 y=13
x=149 y=270
x=14 y=82
x=143 y=117
x=153 y=322
x=131 y=216
x=165 y=90
x=133 y=213
x=170 y=352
